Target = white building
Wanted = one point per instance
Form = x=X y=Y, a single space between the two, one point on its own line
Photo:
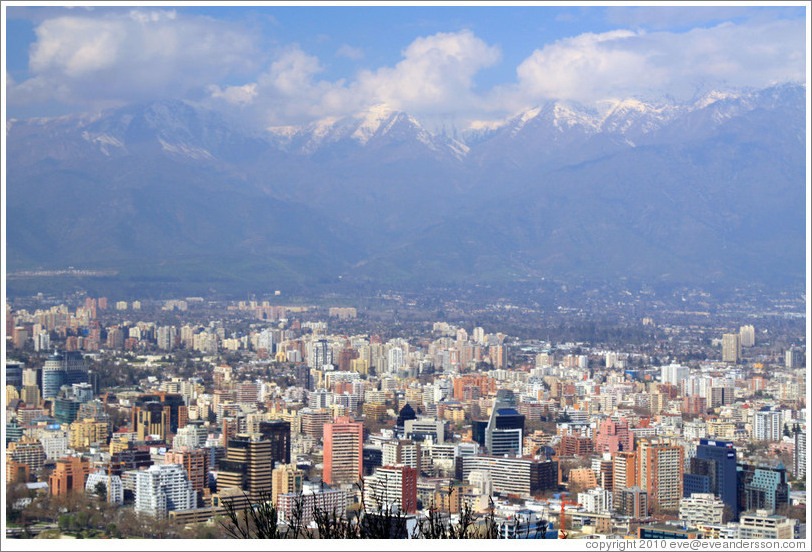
x=674 y=374
x=766 y=525
x=55 y=444
x=596 y=501
x=747 y=335
x=701 y=508
x=114 y=486
x=767 y=425
x=160 y=489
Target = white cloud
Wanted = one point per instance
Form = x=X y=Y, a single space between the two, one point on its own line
x=591 y=67
x=435 y=76
x=116 y=57
x=436 y=73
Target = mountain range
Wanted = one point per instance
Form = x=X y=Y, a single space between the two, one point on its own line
x=711 y=190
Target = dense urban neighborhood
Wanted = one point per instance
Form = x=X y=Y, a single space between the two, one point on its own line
x=196 y=413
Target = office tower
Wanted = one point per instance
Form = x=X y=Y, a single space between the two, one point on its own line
x=343 y=451
x=161 y=489
x=747 y=334
x=659 y=472
x=713 y=470
x=14 y=374
x=767 y=425
x=504 y=432
x=731 y=348
x=391 y=488
x=68 y=476
x=151 y=419
x=194 y=463
x=285 y=479
x=613 y=436
x=62 y=369
x=247 y=465
x=277 y=432
x=799 y=456
x=762 y=487
x=13 y=431
x=173 y=404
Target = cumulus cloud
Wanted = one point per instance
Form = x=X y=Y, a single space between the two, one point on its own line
x=435 y=75
x=591 y=67
x=116 y=57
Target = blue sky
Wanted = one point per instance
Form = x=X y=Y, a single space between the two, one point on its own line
x=467 y=64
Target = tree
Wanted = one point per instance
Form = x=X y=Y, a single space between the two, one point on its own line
x=100 y=489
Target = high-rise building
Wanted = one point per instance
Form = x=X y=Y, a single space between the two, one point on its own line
x=247 y=465
x=172 y=406
x=799 y=456
x=613 y=436
x=68 y=476
x=767 y=425
x=523 y=476
x=62 y=369
x=731 y=347
x=713 y=470
x=343 y=451
x=286 y=478
x=793 y=358
x=747 y=334
x=762 y=487
x=277 y=432
x=659 y=472
x=160 y=489
x=399 y=452
x=391 y=488
x=504 y=432
x=631 y=502
x=28 y=451
x=674 y=373
x=320 y=354
x=194 y=462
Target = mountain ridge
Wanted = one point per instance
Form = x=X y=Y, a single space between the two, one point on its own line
x=558 y=189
